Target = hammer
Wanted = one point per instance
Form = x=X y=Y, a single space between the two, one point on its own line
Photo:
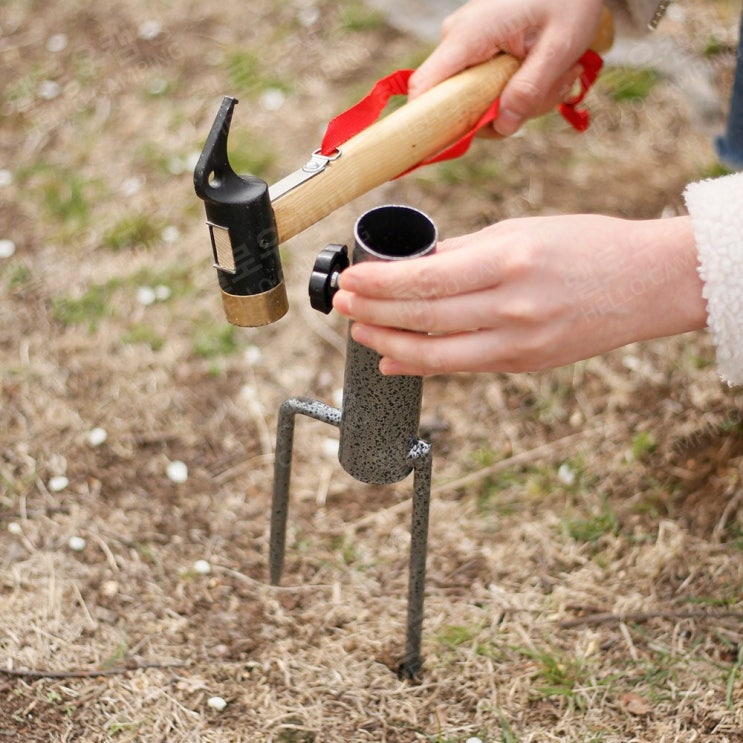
x=247 y=221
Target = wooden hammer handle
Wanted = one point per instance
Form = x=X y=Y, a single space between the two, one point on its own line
x=416 y=131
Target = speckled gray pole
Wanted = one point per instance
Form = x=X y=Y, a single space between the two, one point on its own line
x=378 y=421
x=381 y=414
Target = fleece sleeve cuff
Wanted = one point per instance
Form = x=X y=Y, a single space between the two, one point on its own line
x=716 y=209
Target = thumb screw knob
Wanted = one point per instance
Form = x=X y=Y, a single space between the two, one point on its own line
x=329 y=264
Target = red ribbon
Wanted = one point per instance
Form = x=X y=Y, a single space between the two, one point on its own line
x=579 y=118
x=367 y=111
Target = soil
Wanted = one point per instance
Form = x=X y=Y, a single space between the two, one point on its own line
x=584 y=571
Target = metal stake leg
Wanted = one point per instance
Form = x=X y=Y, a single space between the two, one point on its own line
x=422 y=462
x=283 y=470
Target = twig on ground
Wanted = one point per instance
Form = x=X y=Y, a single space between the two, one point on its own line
x=91 y=673
x=268 y=586
x=48 y=511
x=730 y=508
x=608 y=617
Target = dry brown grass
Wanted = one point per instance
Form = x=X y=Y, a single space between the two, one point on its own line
x=603 y=608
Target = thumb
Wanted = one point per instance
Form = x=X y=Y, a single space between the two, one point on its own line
x=446 y=60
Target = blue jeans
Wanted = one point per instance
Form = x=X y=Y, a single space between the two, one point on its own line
x=730 y=145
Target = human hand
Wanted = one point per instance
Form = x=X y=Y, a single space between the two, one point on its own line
x=527 y=294
x=547 y=35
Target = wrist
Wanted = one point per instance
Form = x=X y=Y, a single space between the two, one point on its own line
x=667 y=278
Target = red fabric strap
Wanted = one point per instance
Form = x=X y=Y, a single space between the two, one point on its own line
x=367 y=111
x=579 y=118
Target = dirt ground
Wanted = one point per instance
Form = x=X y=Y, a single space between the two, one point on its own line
x=585 y=570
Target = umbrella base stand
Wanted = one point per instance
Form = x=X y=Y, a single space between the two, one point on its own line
x=420 y=460
x=380 y=417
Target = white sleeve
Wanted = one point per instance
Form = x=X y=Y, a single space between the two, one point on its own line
x=716 y=209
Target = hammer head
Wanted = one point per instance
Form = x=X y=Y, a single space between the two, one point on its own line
x=243 y=232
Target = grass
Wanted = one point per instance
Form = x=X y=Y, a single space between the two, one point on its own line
x=89 y=309
x=145 y=334
x=248 y=155
x=212 y=338
x=591 y=529
x=356 y=16
x=64 y=194
x=607 y=522
x=132 y=231
x=643 y=444
x=557 y=674
x=247 y=75
x=18 y=275
x=463 y=641
x=628 y=84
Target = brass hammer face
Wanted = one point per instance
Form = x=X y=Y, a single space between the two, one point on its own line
x=243 y=232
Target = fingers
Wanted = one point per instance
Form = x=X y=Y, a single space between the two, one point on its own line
x=425 y=355
x=443 y=274
x=463 y=45
x=447 y=60
x=447 y=315
x=528 y=92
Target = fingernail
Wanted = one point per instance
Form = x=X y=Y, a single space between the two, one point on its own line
x=388 y=368
x=359 y=333
x=507 y=122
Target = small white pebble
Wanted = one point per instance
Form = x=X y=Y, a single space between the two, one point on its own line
x=176 y=166
x=248 y=393
x=162 y=292
x=576 y=419
x=132 y=185
x=15 y=528
x=58 y=483
x=308 y=16
x=177 y=471
x=6 y=177
x=473 y=740
x=49 y=90
x=109 y=588
x=7 y=248
x=632 y=363
x=76 y=544
x=97 y=436
x=56 y=43
x=566 y=474
x=253 y=355
x=272 y=99
x=170 y=234
x=146 y=295
x=202 y=567
x=216 y=703
x=157 y=86
x=150 y=30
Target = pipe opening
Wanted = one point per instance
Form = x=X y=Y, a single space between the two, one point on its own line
x=395 y=232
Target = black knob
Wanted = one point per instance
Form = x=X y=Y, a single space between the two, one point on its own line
x=324 y=280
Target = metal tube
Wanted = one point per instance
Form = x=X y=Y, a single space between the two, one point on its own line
x=381 y=414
